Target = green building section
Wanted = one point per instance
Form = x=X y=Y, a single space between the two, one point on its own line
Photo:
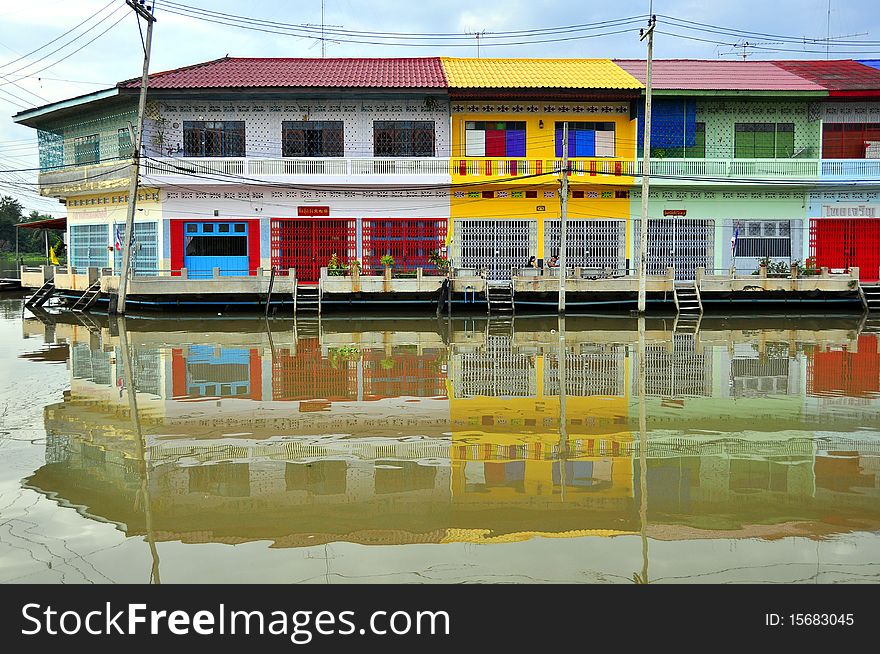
x=72 y=141
x=741 y=129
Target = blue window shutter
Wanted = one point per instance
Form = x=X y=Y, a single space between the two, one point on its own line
x=516 y=143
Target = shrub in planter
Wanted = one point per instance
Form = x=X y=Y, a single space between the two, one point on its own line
x=334 y=267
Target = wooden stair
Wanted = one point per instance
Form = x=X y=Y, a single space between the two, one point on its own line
x=687 y=323
x=41 y=295
x=87 y=299
x=87 y=321
x=309 y=327
x=499 y=298
x=870 y=295
x=307 y=300
x=687 y=299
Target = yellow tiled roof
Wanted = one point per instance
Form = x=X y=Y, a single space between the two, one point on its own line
x=537 y=73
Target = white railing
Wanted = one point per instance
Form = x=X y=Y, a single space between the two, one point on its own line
x=851 y=168
x=281 y=166
x=736 y=168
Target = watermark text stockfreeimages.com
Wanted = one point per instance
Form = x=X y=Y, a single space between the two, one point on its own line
x=300 y=626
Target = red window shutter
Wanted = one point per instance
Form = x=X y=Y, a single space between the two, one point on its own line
x=495 y=143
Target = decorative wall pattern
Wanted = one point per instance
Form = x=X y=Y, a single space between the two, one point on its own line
x=720 y=116
x=263 y=121
x=851 y=112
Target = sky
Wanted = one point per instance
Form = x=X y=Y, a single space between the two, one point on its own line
x=82 y=67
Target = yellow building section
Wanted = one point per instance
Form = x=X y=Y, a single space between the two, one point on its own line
x=540 y=202
x=504 y=140
x=537 y=73
x=86 y=202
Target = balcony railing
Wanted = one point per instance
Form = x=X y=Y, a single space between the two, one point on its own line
x=233 y=168
x=712 y=169
x=851 y=169
x=671 y=171
x=498 y=167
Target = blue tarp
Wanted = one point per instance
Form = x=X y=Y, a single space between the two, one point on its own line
x=673 y=123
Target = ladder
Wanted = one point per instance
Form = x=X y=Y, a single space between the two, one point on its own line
x=41 y=295
x=499 y=297
x=87 y=299
x=687 y=299
x=307 y=299
x=870 y=295
x=88 y=322
x=687 y=323
x=309 y=327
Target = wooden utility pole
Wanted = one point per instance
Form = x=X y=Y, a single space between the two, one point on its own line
x=142 y=12
x=646 y=170
x=563 y=217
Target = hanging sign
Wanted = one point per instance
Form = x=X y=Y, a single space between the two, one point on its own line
x=313 y=211
x=675 y=212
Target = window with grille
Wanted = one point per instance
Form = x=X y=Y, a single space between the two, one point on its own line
x=123 y=138
x=144 y=253
x=763 y=140
x=495 y=139
x=315 y=138
x=88 y=246
x=762 y=238
x=587 y=139
x=849 y=140
x=86 y=149
x=213 y=138
x=403 y=138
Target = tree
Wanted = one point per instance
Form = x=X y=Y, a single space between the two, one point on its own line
x=29 y=240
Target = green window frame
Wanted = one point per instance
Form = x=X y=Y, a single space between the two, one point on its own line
x=763 y=140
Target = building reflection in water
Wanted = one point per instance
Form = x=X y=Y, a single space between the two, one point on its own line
x=406 y=433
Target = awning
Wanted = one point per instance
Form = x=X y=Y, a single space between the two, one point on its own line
x=49 y=223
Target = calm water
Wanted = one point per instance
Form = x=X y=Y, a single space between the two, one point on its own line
x=402 y=450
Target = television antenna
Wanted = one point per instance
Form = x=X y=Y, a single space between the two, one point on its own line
x=477 y=36
x=322 y=39
x=741 y=48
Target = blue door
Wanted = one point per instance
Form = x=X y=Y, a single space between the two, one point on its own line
x=222 y=245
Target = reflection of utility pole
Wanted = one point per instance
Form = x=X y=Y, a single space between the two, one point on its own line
x=143 y=466
x=646 y=169
x=563 y=419
x=643 y=458
x=147 y=14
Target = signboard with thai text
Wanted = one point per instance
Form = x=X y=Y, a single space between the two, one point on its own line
x=313 y=211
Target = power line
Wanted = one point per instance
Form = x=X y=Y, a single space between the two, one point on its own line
x=67 y=56
x=25 y=56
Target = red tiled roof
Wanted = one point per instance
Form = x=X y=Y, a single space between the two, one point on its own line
x=247 y=72
x=837 y=75
x=698 y=75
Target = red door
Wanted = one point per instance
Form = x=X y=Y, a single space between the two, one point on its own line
x=410 y=241
x=306 y=244
x=843 y=243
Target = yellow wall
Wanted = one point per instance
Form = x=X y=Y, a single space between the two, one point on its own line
x=541 y=142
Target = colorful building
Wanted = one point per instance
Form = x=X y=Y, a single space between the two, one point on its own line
x=250 y=164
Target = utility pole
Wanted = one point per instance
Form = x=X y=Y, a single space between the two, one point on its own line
x=646 y=169
x=147 y=14
x=563 y=218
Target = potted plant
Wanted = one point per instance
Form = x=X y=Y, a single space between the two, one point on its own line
x=334 y=267
x=440 y=262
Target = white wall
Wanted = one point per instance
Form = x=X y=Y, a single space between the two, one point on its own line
x=263 y=120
